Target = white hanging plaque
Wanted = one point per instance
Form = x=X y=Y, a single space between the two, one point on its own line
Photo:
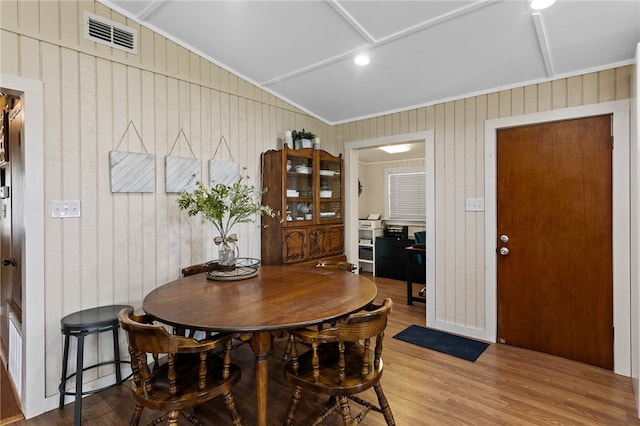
x=131 y=171
x=221 y=171
x=182 y=174
x=225 y=172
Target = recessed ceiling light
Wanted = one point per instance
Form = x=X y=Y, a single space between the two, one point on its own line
x=540 y=4
x=361 y=60
x=393 y=149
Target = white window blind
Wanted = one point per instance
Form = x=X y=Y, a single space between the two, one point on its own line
x=405 y=193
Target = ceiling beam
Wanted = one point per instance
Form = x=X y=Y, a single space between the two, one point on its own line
x=150 y=9
x=543 y=42
x=351 y=21
x=377 y=43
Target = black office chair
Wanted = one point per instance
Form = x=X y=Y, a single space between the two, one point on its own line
x=420 y=239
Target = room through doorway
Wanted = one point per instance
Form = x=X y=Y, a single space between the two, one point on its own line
x=351 y=151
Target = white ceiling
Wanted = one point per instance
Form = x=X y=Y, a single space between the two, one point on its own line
x=422 y=52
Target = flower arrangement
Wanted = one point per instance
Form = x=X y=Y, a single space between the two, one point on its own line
x=225 y=206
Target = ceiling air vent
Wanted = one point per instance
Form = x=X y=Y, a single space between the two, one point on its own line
x=104 y=31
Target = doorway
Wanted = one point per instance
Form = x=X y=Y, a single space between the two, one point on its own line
x=555 y=277
x=11 y=244
x=31 y=392
x=619 y=111
x=11 y=213
x=351 y=152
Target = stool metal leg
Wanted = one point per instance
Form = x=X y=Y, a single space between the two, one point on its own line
x=116 y=354
x=77 y=415
x=79 y=325
x=63 y=381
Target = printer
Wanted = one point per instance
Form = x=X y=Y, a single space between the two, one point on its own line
x=372 y=221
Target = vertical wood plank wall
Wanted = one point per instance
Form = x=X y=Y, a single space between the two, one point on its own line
x=458 y=128
x=124 y=245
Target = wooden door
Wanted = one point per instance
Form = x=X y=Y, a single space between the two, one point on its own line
x=555 y=283
x=317 y=238
x=335 y=240
x=295 y=245
x=326 y=241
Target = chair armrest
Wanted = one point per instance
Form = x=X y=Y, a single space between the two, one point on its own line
x=189 y=345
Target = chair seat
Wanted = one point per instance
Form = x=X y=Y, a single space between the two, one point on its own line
x=328 y=383
x=187 y=391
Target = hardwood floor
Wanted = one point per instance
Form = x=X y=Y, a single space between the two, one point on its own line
x=9 y=409
x=505 y=386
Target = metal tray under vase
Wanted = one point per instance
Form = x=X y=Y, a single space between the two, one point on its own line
x=244 y=268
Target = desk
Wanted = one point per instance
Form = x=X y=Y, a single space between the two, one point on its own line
x=413 y=251
x=280 y=297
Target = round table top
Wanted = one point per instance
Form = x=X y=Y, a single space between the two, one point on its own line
x=280 y=297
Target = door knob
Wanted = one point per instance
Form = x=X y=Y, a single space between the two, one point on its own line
x=503 y=251
x=504 y=238
x=7 y=262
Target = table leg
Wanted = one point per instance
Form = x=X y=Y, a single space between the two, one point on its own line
x=410 y=280
x=261 y=345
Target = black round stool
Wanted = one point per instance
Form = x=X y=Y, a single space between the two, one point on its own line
x=79 y=325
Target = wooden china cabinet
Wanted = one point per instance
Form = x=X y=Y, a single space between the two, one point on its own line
x=307 y=187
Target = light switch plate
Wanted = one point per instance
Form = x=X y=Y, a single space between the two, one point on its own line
x=65 y=208
x=474 y=204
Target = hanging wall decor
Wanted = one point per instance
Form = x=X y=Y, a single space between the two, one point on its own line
x=182 y=173
x=221 y=171
x=132 y=171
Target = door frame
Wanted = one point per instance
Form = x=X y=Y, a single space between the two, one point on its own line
x=351 y=203
x=620 y=216
x=32 y=395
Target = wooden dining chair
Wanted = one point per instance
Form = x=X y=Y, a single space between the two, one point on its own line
x=344 y=360
x=337 y=264
x=186 y=272
x=199 y=269
x=195 y=269
x=328 y=264
x=183 y=373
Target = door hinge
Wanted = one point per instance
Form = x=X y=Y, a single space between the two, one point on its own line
x=14 y=114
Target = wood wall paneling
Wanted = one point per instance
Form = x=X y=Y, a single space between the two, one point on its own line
x=9 y=52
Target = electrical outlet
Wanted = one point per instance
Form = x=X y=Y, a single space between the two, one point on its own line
x=65 y=208
x=474 y=204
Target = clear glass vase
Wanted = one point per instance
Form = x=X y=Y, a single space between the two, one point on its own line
x=227 y=253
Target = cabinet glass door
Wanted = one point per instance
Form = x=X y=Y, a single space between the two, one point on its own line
x=330 y=190
x=299 y=189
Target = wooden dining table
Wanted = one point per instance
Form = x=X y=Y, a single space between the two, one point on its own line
x=278 y=298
